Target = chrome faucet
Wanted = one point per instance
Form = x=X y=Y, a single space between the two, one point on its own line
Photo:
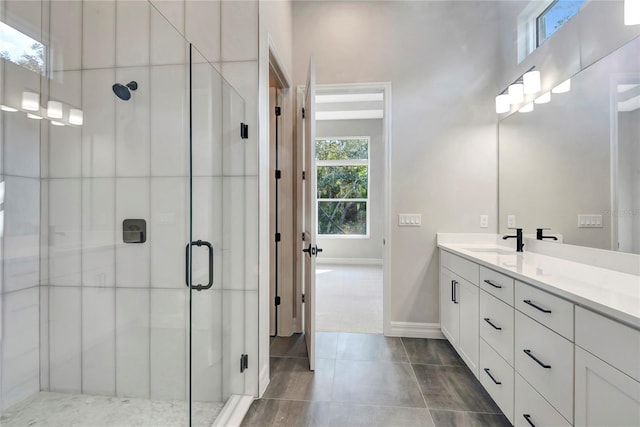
x=518 y=237
x=540 y=234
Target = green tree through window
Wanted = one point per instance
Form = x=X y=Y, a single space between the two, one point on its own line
x=342 y=168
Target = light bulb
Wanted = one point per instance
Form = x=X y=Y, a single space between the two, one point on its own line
x=563 y=87
x=30 y=101
x=526 y=108
x=76 y=117
x=516 y=93
x=531 y=82
x=631 y=12
x=544 y=98
x=54 y=109
x=502 y=103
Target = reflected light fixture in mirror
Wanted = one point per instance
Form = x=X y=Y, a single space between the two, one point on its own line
x=54 y=109
x=76 y=117
x=631 y=12
x=516 y=93
x=30 y=101
x=531 y=82
x=563 y=87
x=544 y=98
x=8 y=109
x=503 y=104
x=53 y=122
x=526 y=108
x=34 y=116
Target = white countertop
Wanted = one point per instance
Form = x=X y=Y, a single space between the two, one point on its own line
x=612 y=293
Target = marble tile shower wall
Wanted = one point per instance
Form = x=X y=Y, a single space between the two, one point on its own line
x=111 y=318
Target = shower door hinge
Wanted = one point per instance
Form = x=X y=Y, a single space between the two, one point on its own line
x=303 y=237
x=278 y=174
x=277 y=300
x=244 y=362
x=244 y=130
x=304 y=176
x=278 y=111
x=278 y=237
x=303 y=298
x=303 y=115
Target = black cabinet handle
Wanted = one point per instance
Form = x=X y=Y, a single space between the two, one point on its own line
x=455 y=297
x=498 y=328
x=537 y=307
x=491 y=376
x=489 y=282
x=452 y=290
x=528 y=418
x=210 y=247
x=544 y=365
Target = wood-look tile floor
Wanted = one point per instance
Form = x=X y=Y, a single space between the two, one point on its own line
x=371 y=380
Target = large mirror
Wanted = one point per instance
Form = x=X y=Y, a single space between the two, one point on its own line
x=573 y=165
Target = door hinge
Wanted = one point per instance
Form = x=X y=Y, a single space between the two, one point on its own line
x=278 y=237
x=304 y=175
x=303 y=237
x=303 y=298
x=244 y=130
x=278 y=111
x=278 y=301
x=303 y=114
x=278 y=174
x=244 y=362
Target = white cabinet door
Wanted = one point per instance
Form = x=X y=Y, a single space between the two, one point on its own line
x=604 y=395
x=449 y=309
x=468 y=297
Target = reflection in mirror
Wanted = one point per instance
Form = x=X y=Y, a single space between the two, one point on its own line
x=573 y=164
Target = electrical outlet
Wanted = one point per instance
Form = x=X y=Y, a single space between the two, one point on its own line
x=409 y=220
x=511 y=221
x=484 y=221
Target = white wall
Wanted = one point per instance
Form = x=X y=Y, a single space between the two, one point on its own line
x=629 y=181
x=356 y=248
x=441 y=58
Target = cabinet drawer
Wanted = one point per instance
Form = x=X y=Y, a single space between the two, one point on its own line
x=545 y=360
x=553 y=312
x=537 y=410
x=613 y=342
x=494 y=369
x=496 y=325
x=466 y=269
x=497 y=284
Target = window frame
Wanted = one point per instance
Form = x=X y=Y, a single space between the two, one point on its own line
x=348 y=162
x=538 y=30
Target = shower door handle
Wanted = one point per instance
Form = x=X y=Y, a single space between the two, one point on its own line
x=210 y=248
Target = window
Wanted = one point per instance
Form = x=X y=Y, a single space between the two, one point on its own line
x=21 y=49
x=342 y=170
x=554 y=17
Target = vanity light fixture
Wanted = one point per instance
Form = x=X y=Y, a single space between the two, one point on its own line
x=631 y=12
x=563 y=87
x=54 y=109
x=8 y=109
x=526 y=108
x=531 y=82
x=516 y=93
x=543 y=99
x=503 y=104
x=76 y=117
x=30 y=101
x=34 y=116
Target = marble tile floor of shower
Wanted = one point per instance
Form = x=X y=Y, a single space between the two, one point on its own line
x=374 y=381
x=81 y=410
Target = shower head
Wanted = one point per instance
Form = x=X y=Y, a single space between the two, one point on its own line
x=122 y=91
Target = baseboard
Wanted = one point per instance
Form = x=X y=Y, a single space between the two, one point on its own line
x=234 y=411
x=415 y=330
x=350 y=261
x=263 y=380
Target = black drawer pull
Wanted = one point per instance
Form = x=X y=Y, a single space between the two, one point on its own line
x=491 y=376
x=544 y=310
x=497 y=328
x=489 y=282
x=528 y=353
x=528 y=418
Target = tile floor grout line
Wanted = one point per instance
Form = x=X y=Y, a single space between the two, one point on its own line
x=426 y=405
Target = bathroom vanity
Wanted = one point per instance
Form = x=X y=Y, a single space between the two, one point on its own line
x=555 y=342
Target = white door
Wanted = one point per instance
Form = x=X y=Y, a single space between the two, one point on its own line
x=310 y=214
x=449 y=309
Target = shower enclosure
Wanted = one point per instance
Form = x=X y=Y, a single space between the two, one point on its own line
x=128 y=221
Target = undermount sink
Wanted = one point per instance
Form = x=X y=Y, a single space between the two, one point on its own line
x=491 y=251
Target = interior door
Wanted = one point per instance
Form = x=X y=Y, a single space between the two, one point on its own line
x=309 y=244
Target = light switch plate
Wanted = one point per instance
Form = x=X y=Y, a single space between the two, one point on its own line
x=410 y=220
x=511 y=221
x=590 y=221
x=484 y=221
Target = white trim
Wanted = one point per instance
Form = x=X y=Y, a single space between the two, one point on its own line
x=415 y=330
x=350 y=261
x=234 y=411
x=350 y=115
x=349 y=97
x=263 y=380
